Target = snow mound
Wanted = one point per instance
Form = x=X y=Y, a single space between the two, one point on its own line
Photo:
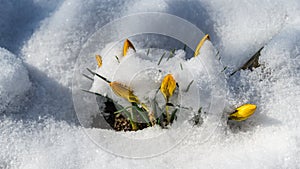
x=274 y=87
x=49 y=144
x=50 y=53
x=53 y=48
x=14 y=81
x=20 y=18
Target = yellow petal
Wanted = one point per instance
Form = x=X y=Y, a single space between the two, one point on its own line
x=127 y=45
x=206 y=37
x=243 y=112
x=124 y=92
x=99 y=60
x=168 y=86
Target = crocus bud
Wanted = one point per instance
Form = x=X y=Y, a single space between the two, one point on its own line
x=243 y=112
x=124 y=92
x=168 y=86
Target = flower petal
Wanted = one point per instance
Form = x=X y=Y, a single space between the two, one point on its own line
x=197 y=51
x=127 y=45
x=168 y=86
x=99 y=60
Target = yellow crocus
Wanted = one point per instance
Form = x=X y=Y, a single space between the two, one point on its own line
x=243 y=112
x=124 y=92
x=168 y=86
x=127 y=45
x=200 y=44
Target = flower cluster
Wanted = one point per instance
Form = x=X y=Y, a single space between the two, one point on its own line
x=139 y=114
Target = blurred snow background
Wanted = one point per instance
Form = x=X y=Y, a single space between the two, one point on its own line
x=39 y=43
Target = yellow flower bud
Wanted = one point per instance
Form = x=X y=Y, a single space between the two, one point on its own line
x=168 y=86
x=99 y=60
x=243 y=112
x=197 y=51
x=127 y=45
x=124 y=92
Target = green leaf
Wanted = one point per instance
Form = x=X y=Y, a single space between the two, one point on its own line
x=173 y=115
x=188 y=87
x=124 y=109
x=143 y=113
x=117 y=59
x=148 y=52
x=172 y=53
x=162 y=56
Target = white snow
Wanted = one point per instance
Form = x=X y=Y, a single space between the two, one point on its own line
x=14 y=82
x=47 y=37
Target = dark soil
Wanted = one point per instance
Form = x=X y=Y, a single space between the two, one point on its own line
x=118 y=121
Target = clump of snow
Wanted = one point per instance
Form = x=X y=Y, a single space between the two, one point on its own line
x=14 y=81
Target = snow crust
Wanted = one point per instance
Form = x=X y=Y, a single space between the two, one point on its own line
x=46 y=134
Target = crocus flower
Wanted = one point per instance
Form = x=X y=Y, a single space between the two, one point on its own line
x=124 y=92
x=168 y=86
x=243 y=112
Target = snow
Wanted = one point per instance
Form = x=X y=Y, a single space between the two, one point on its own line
x=20 y=18
x=14 y=82
x=39 y=129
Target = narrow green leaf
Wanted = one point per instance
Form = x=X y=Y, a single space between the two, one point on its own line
x=162 y=56
x=173 y=115
x=218 y=56
x=143 y=114
x=199 y=110
x=224 y=69
x=93 y=73
x=123 y=109
x=127 y=113
x=87 y=91
x=117 y=59
x=172 y=53
x=188 y=87
x=86 y=76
